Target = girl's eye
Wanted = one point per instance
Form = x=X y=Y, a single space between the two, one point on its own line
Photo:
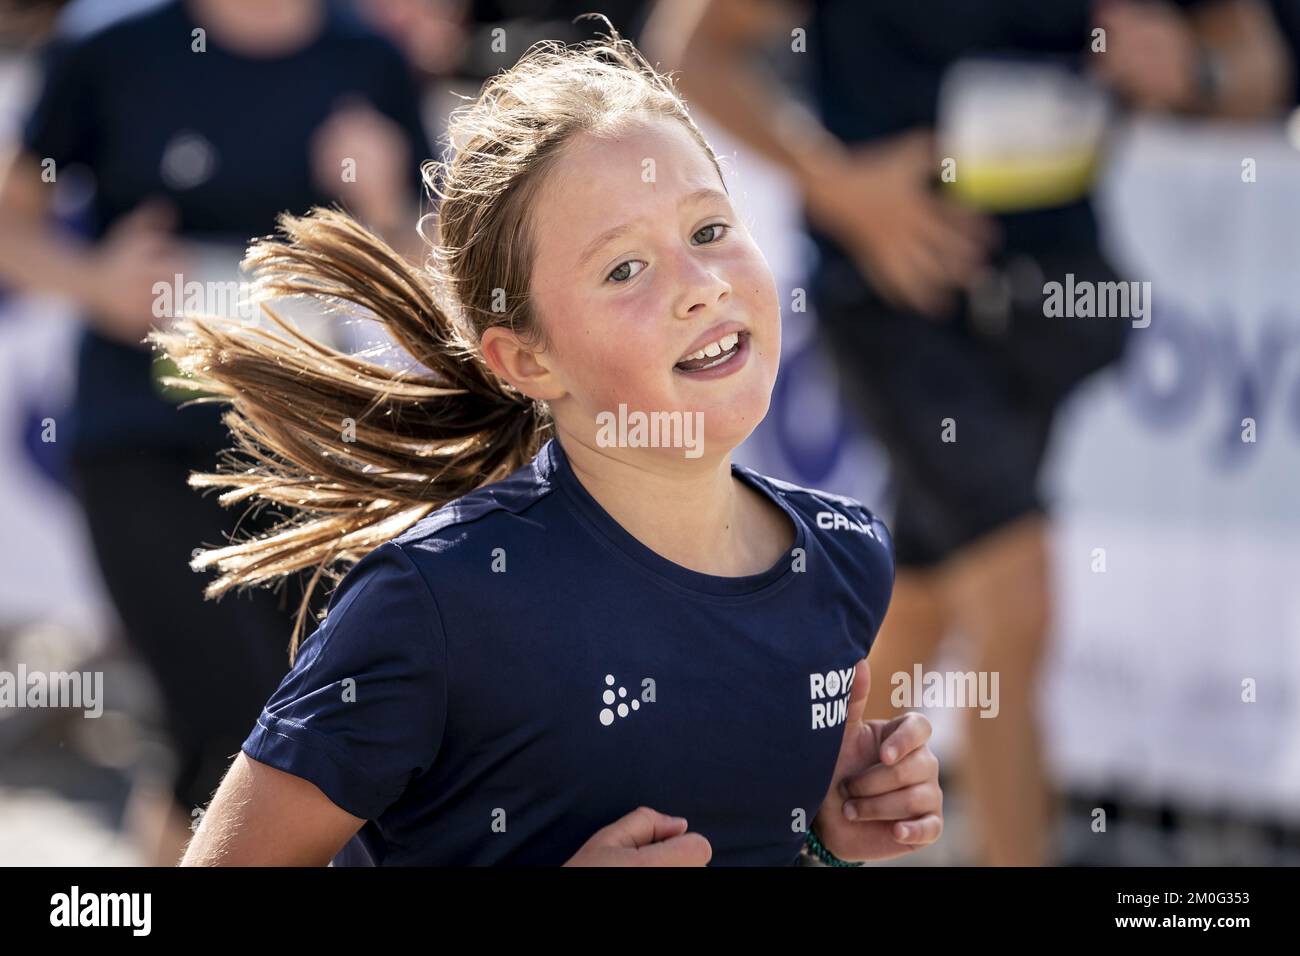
x=620 y=271
x=714 y=225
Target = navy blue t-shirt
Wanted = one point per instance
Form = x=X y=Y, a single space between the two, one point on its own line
x=517 y=671
x=224 y=138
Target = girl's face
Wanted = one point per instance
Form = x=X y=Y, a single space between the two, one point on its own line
x=641 y=262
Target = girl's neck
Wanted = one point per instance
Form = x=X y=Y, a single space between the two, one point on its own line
x=695 y=512
x=259 y=28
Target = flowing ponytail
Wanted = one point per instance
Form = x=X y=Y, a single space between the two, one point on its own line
x=357 y=452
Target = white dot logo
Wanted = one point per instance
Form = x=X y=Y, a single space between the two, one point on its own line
x=188 y=160
x=609 y=697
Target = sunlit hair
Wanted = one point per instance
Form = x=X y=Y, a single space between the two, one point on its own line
x=429 y=433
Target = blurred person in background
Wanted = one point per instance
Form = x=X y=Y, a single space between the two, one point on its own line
x=430 y=33
x=199 y=122
x=930 y=290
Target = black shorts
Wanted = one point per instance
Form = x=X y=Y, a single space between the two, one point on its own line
x=215 y=662
x=999 y=374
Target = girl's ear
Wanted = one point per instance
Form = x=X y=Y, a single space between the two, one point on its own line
x=524 y=368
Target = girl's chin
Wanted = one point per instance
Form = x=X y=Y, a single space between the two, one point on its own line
x=727 y=428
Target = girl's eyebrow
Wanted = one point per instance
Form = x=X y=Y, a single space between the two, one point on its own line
x=609 y=235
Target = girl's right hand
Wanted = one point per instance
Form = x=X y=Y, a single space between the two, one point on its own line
x=644 y=837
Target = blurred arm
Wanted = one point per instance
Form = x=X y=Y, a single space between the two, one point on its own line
x=712 y=43
x=34 y=256
x=1225 y=58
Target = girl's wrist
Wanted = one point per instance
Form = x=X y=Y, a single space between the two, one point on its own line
x=816 y=848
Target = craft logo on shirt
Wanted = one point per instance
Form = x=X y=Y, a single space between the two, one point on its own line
x=834 y=521
x=830 y=696
x=617 y=702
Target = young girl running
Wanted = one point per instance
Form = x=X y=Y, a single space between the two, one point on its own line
x=565 y=606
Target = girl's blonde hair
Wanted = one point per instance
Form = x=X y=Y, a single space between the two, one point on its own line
x=356 y=452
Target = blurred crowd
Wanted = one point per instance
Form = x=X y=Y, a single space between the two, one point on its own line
x=944 y=157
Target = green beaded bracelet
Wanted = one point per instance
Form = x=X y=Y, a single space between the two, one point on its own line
x=820 y=851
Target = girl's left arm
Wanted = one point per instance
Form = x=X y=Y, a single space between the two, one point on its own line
x=262 y=816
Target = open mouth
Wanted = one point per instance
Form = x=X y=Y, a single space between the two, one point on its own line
x=715 y=354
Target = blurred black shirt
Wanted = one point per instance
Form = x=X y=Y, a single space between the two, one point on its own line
x=223 y=137
x=876 y=68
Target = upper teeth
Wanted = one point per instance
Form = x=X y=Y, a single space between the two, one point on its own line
x=714 y=349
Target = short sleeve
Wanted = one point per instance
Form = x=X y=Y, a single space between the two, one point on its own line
x=61 y=124
x=363 y=710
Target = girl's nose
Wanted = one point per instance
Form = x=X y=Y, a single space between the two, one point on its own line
x=701 y=287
